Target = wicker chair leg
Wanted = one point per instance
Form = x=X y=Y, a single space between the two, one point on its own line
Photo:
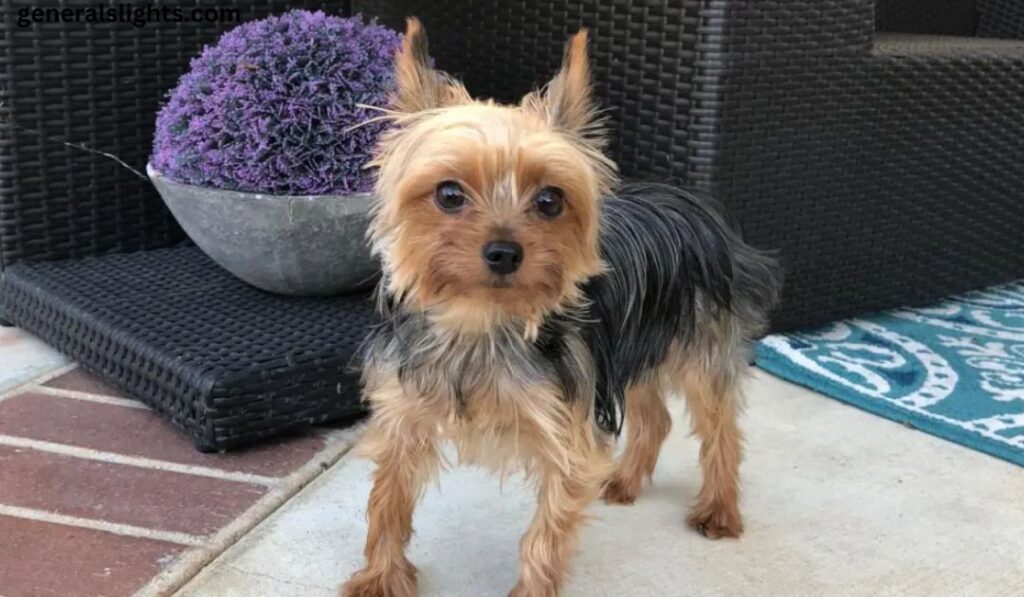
x=206 y=447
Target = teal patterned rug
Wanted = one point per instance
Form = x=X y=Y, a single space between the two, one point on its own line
x=955 y=370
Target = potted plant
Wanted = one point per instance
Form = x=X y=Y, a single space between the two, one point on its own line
x=260 y=150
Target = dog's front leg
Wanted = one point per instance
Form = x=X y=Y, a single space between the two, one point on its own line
x=405 y=452
x=572 y=470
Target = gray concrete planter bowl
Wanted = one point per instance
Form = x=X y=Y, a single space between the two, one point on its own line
x=297 y=245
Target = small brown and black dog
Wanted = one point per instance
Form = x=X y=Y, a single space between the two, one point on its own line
x=530 y=305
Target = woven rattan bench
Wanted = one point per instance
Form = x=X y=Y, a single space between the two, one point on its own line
x=227 y=363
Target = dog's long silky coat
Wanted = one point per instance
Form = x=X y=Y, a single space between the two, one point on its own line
x=617 y=296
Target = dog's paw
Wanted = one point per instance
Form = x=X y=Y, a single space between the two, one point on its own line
x=400 y=581
x=618 y=491
x=715 y=521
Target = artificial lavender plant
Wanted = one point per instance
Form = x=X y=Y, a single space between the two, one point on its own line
x=278 y=106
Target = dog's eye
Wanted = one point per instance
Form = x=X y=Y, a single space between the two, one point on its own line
x=549 y=202
x=449 y=196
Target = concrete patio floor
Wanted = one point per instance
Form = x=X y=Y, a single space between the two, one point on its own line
x=837 y=502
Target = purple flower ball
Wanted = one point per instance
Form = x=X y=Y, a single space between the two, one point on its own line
x=275 y=106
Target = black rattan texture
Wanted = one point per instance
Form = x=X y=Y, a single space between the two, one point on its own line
x=1001 y=18
x=937 y=17
x=643 y=54
x=885 y=172
x=885 y=176
x=228 y=363
x=96 y=85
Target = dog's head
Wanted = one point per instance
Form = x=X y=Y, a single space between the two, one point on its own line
x=489 y=212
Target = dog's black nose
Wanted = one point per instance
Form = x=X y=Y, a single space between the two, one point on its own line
x=502 y=256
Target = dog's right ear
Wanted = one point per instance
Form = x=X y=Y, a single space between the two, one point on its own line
x=418 y=86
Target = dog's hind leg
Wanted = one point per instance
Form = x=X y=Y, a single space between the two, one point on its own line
x=714 y=402
x=647 y=425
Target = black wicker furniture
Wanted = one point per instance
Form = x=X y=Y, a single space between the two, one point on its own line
x=881 y=152
x=226 y=362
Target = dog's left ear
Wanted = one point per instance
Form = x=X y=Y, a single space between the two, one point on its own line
x=568 y=98
x=418 y=86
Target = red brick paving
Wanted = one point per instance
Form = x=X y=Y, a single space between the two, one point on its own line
x=79 y=381
x=136 y=432
x=119 y=493
x=39 y=559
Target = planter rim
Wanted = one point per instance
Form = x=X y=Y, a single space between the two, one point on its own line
x=153 y=173
x=302 y=245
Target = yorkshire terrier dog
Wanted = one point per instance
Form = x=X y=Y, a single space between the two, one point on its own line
x=530 y=306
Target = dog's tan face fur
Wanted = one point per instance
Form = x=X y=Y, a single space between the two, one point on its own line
x=501 y=157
